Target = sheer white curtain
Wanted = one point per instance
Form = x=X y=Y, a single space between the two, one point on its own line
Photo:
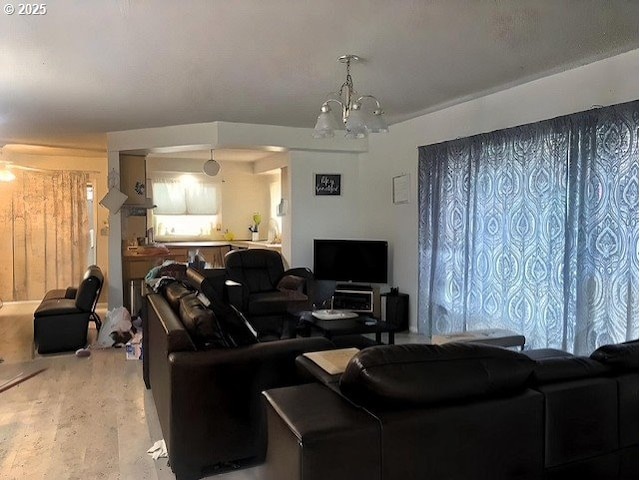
x=44 y=233
x=185 y=196
x=187 y=206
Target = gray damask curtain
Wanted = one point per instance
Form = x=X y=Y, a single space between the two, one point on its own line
x=534 y=229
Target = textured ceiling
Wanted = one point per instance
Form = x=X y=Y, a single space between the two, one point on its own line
x=89 y=67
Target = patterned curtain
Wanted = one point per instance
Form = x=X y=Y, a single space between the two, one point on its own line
x=44 y=233
x=534 y=229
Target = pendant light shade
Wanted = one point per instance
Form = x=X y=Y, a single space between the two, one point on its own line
x=211 y=167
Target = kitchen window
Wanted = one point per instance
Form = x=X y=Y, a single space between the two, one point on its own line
x=187 y=207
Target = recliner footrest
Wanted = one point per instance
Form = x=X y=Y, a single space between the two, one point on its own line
x=60 y=333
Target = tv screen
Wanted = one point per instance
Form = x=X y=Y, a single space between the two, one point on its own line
x=350 y=260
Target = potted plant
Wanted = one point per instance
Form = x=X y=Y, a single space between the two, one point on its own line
x=257 y=218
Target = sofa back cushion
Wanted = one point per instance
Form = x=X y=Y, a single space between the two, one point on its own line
x=89 y=289
x=174 y=292
x=210 y=285
x=433 y=374
x=259 y=270
x=562 y=369
x=201 y=323
x=621 y=357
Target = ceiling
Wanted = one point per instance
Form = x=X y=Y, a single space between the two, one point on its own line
x=89 y=67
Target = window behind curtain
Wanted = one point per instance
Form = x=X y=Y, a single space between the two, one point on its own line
x=44 y=233
x=187 y=207
x=534 y=229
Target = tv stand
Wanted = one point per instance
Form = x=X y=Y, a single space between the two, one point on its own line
x=354 y=287
x=351 y=296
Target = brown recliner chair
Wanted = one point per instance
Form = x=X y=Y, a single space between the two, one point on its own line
x=61 y=320
x=258 y=286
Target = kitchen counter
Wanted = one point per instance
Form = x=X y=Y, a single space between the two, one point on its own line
x=223 y=243
x=210 y=243
x=259 y=244
x=147 y=251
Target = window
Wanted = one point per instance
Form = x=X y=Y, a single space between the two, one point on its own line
x=534 y=229
x=187 y=207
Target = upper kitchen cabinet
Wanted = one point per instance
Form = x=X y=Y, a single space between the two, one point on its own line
x=133 y=179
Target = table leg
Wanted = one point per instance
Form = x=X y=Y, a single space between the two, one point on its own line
x=392 y=338
x=379 y=338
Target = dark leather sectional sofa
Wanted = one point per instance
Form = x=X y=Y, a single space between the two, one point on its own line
x=459 y=412
x=208 y=397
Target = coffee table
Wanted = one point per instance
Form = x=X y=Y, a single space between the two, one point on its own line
x=350 y=326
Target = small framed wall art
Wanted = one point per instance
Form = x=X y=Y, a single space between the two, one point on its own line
x=328 y=184
x=401 y=189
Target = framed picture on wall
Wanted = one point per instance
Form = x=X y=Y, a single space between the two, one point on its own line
x=328 y=184
x=401 y=189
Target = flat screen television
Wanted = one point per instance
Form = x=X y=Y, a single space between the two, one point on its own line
x=364 y=261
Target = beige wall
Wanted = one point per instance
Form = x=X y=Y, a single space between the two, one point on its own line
x=63 y=159
x=243 y=194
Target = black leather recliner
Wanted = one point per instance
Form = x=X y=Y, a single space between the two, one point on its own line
x=61 y=320
x=259 y=286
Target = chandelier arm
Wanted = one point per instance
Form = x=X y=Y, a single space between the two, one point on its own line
x=378 y=107
x=343 y=107
x=333 y=100
x=333 y=96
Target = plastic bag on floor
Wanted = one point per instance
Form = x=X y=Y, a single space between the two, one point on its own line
x=158 y=450
x=117 y=320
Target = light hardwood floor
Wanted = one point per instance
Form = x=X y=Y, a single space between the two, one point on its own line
x=82 y=418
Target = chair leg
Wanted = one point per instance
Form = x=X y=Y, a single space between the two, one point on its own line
x=96 y=319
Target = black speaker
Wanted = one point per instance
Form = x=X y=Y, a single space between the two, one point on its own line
x=395 y=309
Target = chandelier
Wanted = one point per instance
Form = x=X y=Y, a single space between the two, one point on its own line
x=356 y=122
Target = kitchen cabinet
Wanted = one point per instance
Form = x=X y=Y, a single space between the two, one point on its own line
x=212 y=252
x=135 y=267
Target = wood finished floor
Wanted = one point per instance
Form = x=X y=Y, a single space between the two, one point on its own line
x=82 y=418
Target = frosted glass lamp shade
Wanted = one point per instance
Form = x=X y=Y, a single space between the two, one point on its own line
x=356 y=124
x=325 y=125
x=376 y=123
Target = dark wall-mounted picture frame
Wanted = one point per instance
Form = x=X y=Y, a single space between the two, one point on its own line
x=328 y=184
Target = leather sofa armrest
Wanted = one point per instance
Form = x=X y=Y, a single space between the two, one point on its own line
x=303 y=272
x=314 y=434
x=310 y=372
x=168 y=328
x=219 y=391
x=307 y=289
